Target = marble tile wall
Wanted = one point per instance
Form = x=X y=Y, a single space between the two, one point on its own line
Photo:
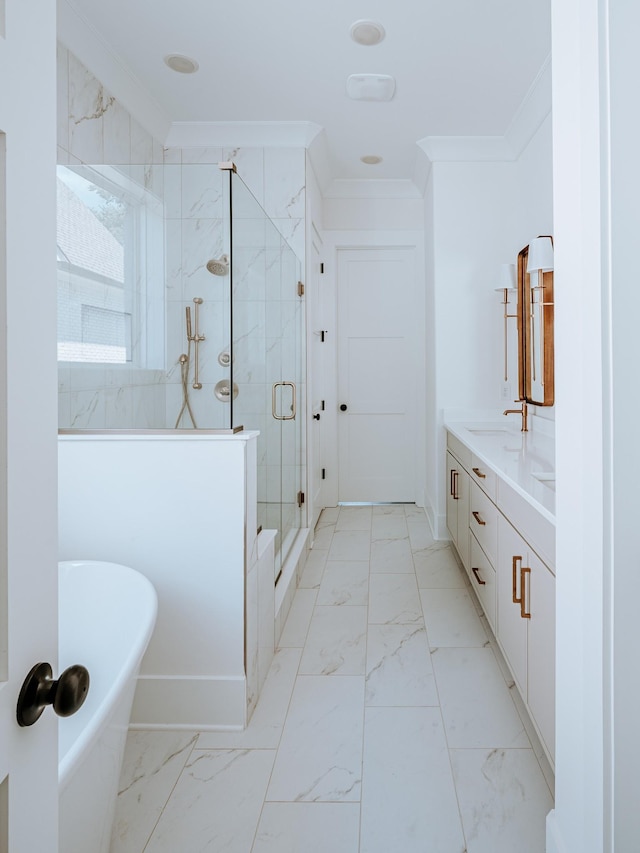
x=94 y=128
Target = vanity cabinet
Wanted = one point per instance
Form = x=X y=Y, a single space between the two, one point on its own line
x=458 y=507
x=501 y=550
x=526 y=626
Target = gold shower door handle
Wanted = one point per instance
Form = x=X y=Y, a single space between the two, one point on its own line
x=274 y=414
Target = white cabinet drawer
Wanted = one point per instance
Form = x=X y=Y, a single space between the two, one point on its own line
x=459 y=450
x=483 y=581
x=483 y=521
x=483 y=476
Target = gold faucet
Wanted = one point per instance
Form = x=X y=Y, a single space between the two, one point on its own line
x=522 y=412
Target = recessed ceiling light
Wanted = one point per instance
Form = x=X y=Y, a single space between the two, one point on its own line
x=367 y=32
x=371 y=159
x=182 y=64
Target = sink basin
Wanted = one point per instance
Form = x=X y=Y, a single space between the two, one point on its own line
x=547 y=478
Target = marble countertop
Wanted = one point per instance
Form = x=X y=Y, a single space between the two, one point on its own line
x=524 y=460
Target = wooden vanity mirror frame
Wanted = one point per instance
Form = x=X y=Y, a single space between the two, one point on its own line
x=525 y=383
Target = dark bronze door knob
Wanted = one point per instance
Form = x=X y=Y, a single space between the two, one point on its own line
x=343 y=407
x=67 y=694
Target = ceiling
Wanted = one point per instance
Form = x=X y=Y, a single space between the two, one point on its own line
x=462 y=67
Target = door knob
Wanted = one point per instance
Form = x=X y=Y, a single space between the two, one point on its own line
x=316 y=417
x=343 y=407
x=67 y=694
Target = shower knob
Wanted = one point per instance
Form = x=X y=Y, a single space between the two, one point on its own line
x=343 y=407
x=67 y=694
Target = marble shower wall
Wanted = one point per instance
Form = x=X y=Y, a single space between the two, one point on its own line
x=268 y=314
x=94 y=128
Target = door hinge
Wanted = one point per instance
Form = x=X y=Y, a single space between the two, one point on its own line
x=321 y=269
x=322 y=404
x=324 y=473
x=300 y=498
x=300 y=289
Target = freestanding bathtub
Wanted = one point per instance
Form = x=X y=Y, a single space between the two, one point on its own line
x=107 y=613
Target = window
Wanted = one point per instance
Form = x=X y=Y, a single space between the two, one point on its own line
x=110 y=272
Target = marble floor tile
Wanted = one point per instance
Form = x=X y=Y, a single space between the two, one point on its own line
x=350 y=545
x=330 y=514
x=336 y=643
x=436 y=567
x=451 y=618
x=391 y=556
x=295 y=629
x=266 y=723
x=389 y=527
x=345 y=582
x=504 y=800
x=420 y=534
x=415 y=513
x=308 y=827
x=320 y=754
x=399 y=670
x=153 y=762
x=477 y=708
x=354 y=518
x=314 y=568
x=411 y=806
x=216 y=804
x=322 y=536
x=393 y=599
x=396 y=510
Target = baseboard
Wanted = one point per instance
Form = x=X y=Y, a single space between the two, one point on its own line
x=555 y=844
x=288 y=575
x=198 y=703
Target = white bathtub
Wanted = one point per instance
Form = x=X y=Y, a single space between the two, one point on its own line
x=106 y=616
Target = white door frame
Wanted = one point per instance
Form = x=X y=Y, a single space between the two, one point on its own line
x=28 y=416
x=334 y=242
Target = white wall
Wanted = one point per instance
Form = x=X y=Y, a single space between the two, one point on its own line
x=483 y=214
x=176 y=509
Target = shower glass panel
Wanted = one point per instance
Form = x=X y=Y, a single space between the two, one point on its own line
x=268 y=360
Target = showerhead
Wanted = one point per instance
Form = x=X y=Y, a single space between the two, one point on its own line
x=219 y=266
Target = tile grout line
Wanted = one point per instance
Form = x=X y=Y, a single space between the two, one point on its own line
x=166 y=803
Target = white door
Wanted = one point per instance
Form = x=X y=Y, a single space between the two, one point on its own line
x=376 y=370
x=28 y=418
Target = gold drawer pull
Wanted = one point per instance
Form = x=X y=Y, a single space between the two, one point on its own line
x=479 y=473
x=478 y=578
x=516 y=600
x=476 y=515
x=523 y=589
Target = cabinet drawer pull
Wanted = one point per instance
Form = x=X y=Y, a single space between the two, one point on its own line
x=478 y=578
x=476 y=515
x=516 y=600
x=523 y=589
x=455 y=494
x=479 y=473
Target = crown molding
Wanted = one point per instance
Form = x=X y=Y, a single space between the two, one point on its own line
x=534 y=109
x=532 y=112
x=77 y=34
x=242 y=134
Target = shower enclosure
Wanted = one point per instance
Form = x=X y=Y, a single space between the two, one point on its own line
x=180 y=309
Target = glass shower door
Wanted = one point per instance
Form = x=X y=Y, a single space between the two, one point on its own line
x=266 y=361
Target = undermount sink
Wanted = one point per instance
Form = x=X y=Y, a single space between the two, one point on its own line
x=547 y=478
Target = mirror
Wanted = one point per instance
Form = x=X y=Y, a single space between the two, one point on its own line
x=535 y=323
